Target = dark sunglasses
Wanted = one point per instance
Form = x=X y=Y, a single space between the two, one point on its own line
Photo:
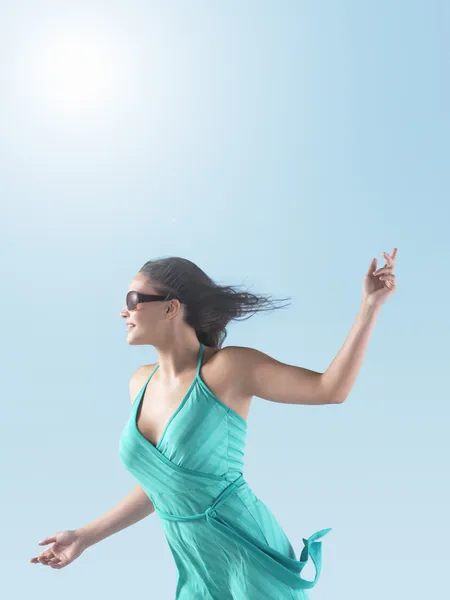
x=134 y=298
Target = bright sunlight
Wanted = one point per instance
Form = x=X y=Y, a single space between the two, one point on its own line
x=76 y=74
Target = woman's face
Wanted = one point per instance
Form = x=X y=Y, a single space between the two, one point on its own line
x=143 y=322
x=149 y=322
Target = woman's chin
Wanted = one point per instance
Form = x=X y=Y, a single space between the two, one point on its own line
x=130 y=335
x=132 y=340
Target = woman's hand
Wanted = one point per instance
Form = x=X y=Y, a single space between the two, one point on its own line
x=380 y=284
x=67 y=546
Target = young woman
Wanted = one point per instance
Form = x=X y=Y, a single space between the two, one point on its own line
x=185 y=437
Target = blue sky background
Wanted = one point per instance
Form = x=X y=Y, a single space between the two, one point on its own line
x=280 y=145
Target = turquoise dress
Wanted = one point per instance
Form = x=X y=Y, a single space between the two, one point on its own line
x=226 y=543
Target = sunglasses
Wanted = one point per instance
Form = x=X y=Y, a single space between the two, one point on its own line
x=134 y=298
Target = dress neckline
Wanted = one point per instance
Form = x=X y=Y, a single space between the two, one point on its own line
x=177 y=410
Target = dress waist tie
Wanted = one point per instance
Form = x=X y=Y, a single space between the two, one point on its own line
x=285 y=568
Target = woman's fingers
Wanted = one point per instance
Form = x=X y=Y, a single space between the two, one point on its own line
x=48 y=540
x=55 y=563
x=45 y=556
x=383 y=270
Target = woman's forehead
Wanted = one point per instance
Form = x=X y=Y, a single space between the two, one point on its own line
x=141 y=283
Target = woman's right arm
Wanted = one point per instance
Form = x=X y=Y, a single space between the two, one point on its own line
x=133 y=508
x=136 y=505
x=68 y=545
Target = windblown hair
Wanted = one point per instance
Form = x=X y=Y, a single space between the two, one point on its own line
x=209 y=307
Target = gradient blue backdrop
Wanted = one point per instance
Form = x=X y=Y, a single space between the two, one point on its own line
x=279 y=145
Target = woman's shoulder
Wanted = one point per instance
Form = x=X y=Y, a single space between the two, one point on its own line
x=138 y=379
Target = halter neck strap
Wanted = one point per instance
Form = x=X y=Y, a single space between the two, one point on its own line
x=200 y=357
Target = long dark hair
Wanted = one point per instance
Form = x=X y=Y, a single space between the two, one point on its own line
x=209 y=307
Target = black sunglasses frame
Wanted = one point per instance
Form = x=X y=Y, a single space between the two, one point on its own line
x=134 y=298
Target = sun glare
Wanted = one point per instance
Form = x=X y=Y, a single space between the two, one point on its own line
x=76 y=74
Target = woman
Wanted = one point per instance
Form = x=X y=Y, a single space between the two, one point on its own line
x=185 y=437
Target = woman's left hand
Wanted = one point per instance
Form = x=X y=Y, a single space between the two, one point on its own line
x=380 y=284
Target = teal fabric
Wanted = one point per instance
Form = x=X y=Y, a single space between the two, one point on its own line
x=226 y=543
